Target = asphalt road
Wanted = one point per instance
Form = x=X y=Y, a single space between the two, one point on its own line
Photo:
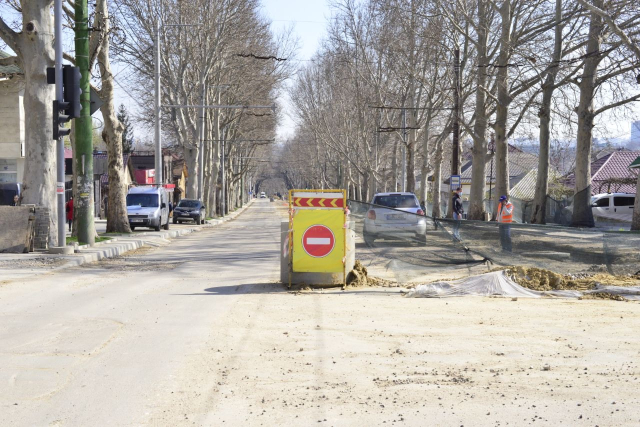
x=102 y=344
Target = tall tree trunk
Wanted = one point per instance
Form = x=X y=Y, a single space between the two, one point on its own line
x=479 y=151
x=582 y=215
x=635 y=222
x=539 y=210
x=117 y=219
x=502 y=109
x=424 y=182
x=191 y=154
x=437 y=178
x=34 y=50
x=394 y=166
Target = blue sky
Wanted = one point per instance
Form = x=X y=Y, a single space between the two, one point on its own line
x=309 y=20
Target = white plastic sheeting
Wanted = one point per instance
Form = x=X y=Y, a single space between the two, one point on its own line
x=497 y=284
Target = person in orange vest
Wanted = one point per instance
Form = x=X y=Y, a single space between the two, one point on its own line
x=505 y=218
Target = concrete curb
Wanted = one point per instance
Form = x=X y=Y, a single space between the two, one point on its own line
x=121 y=244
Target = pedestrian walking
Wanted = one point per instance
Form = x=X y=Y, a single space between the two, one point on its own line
x=505 y=218
x=458 y=211
x=69 y=210
x=16 y=201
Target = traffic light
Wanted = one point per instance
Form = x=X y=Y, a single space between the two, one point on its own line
x=64 y=111
x=71 y=88
x=60 y=119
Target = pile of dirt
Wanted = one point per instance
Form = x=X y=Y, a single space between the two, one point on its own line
x=360 y=277
x=539 y=279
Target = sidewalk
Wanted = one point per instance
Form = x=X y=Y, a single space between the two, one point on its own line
x=22 y=266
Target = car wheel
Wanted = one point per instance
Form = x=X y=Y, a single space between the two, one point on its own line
x=166 y=226
x=422 y=238
x=175 y=220
x=133 y=227
x=198 y=221
x=157 y=227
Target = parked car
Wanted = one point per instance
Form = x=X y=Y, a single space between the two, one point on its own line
x=394 y=215
x=613 y=206
x=263 y=195
x=148 y=206
x=189 y=210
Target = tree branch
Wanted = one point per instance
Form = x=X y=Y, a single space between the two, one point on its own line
x=9 y=36
x=613 y=26
x=11 y=60
x=616 y=104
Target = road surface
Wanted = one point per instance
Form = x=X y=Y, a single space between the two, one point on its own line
x=198 y=333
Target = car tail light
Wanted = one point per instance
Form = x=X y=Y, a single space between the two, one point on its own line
x=371 y=214
x=420 y=212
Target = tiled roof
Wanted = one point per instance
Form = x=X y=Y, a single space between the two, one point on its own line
x=8 y=69
x=611 y=166
x=525 y=189
x=520 y=163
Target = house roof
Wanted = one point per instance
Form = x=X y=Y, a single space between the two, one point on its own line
x=635 y=164
x=8 y=69
x=525 y=189
x=613 y=166
x=520 y=163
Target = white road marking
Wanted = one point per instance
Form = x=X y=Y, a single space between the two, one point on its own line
x=318 y=241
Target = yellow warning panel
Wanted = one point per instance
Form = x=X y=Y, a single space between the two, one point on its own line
x=318 y=241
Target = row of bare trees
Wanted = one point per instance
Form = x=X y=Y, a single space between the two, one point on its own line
x=380 y=92
x=214 y=52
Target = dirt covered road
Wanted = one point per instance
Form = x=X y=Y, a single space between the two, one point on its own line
x=371 y=357
x=197 y=333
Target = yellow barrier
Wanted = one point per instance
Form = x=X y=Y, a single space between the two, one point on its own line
x=317 y=231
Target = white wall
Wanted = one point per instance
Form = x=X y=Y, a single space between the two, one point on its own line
x=12 y=122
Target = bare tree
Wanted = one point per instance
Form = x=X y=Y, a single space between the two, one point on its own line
x=33 y=45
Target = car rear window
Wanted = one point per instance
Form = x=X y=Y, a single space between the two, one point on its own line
x=623 y=201
x=396 y=201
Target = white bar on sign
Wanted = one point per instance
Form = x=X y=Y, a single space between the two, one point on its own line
x=318 y=241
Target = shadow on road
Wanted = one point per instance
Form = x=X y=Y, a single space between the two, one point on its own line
x=245 y=288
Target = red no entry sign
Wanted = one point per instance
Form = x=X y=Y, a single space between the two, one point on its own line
x=318 y=241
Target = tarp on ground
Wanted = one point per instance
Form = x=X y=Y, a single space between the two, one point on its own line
x=497 y=284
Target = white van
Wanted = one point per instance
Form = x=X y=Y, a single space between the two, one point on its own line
x=613 y=206
x=263 y=195
x=148 y=206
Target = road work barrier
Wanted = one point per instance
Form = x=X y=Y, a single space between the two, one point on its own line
x=318 y=248
x=16 y=228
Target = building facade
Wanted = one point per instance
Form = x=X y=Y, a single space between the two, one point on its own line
x=12 y=123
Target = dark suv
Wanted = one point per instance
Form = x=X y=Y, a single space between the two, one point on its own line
x=189 y=209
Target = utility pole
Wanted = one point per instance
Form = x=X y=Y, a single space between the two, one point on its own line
x=455 y=155
x=404 y=150
x=455 y=161
x=157 y=137
x=201 y=154
x=83 y=155
x=223 y=193
x=62 y=235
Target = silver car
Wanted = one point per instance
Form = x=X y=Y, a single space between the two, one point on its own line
x=394 y=215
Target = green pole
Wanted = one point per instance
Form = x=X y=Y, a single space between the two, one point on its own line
x=83 y=156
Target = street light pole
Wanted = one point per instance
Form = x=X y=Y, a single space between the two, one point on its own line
x=404 y=150
x=62 y=235
x=157 y=136
x=202 y=120
x=223 y=193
